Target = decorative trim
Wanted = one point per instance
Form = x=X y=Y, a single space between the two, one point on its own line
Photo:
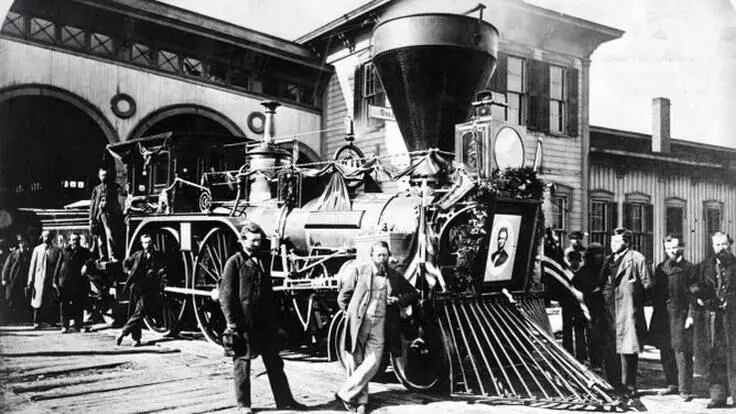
x=180 y=109
x=637 y=197
x=258 y=130
x=89 y=109
x=123 y=98
x=602 y=195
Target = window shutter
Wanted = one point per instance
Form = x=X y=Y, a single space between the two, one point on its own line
x=498 y=83
x=612 y=217
x=572 y=102
x=538 y=119
x=358 y=96
x=628 y=215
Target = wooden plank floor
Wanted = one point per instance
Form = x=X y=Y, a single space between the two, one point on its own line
x=44 y=371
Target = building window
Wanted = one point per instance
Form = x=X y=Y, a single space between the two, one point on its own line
x=675 y=217
x=560 y=200
x=168 y=61
x=14 y=24
x=42 y=30
x=712 y=219
x=369 y=93
x=101 y=44
x=638 y=217
x=140 y=53
x=192 y=66
x=73 y=37
x=557 y=93
x=559 y=217
x=603 y=217
x=516 y=89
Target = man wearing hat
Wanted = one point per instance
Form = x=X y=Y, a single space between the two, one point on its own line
x=575 y=252
x=15 y=274
x=246 y=298
x=71 y=284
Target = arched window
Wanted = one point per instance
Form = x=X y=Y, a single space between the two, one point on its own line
x=603 y=214
x=639 y=218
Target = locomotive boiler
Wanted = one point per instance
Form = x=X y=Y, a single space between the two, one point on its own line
x=465 y=232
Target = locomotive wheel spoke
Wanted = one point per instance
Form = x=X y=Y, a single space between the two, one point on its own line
x=164 y=318
x=217 y=246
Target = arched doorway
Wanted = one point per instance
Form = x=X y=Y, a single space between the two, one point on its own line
x=51 y=144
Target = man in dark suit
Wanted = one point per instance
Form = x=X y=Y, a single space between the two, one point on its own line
x=372 y=296
x=71 y=284
x=669 y=328
x=246 y=298
x=500 y=256
x=105 y=216
x=146 y=275
x=715 y=290
x=15 y=275
x=625 y=275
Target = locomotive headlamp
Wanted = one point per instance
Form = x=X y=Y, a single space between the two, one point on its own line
x=508 y=150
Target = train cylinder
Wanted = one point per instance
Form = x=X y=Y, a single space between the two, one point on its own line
x=430 y=66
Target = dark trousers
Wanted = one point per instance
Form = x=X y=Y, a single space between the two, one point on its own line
x=574 y=332
x=276 y=377
x=621 y=369
x=133 y=326
x=678 y=369
x=721 y=364
x=71 y=309
x=106 y=243
x=44 y=315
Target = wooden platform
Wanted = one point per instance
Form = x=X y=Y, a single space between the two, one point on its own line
x=45 y=371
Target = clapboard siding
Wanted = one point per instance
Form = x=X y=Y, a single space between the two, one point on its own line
x=334 y=117
x=661 y=187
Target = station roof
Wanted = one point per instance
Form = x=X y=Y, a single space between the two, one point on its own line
x=618 y=143
x=198 y=24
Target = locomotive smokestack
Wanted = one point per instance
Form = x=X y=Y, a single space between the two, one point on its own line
x=269 y=124
x=431 y=65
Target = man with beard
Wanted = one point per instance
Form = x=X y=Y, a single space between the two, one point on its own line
x=500 y=256
x=246 y=298
x=625 y=275
x=15 y=275
x=105 y=216
x=371 y=296
x=715 y=289
x=669 y=328
x=72 y=285
x=46 y=262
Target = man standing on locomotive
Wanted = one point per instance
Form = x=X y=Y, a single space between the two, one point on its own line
x=146 y=275
x=372 y=296
x=71 y=284
x=105 y=216
x=246 y=298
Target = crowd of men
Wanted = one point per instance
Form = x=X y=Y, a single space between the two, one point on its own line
x=691 y=312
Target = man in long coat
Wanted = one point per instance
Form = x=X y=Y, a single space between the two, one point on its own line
x=46 y=261
x=371 y=296
x=246 y=298
x=715 y=289
x=625 y=275
x=105 y=216
x=73 y=287
x=669 y=328
x=146 y=273
x=15 y=277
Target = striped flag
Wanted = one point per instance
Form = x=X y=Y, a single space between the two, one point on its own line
x=554 y=270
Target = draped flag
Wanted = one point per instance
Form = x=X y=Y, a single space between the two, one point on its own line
x=564 y=276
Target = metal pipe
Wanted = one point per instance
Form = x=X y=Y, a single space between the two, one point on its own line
x=511 y=362
x=493 y=351
x=467 y=346
x=498 y=359
x=480 y=347
x=529 y=354
x=457 y=351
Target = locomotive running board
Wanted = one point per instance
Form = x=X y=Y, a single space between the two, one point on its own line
x=501 y=351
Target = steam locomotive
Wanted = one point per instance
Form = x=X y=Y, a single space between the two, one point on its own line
x=465 y=232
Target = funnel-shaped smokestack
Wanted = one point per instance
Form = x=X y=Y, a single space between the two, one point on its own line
x=430 y=66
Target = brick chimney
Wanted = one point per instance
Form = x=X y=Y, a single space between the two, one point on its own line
x=661 y=125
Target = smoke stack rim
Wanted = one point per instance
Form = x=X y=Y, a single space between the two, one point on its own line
x=434 y=29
